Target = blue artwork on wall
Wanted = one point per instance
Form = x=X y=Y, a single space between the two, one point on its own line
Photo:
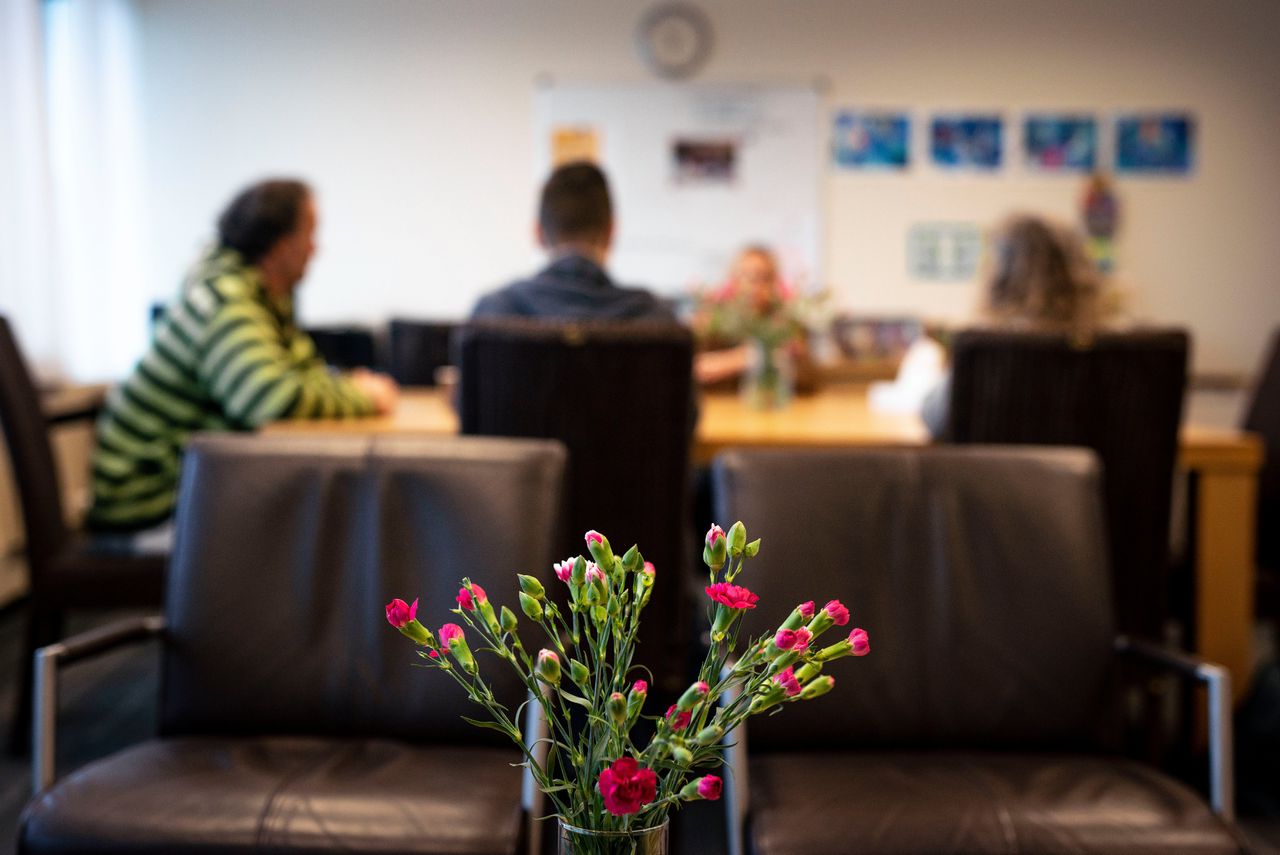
x=1060 y=142
x=871 y=140
x=1159 y=143
x=967 y=141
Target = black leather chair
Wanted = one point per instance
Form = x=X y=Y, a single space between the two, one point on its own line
x=417 y=349
x=345 y=347
x=292 y=718
x=980 y=720
x=1119 y=394
x=619 y=396
x=1263 y=418
x=68 y=569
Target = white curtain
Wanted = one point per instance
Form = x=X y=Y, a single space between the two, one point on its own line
x=73 y=225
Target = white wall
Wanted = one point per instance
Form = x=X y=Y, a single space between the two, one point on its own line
x=414 y=120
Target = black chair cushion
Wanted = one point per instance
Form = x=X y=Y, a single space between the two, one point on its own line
x=283 y=795
x=824 y=804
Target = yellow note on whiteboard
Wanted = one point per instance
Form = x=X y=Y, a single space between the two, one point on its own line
x=579 y=142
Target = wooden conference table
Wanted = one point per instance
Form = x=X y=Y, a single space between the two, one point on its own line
x=1225 y=463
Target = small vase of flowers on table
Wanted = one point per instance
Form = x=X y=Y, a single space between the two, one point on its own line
x=610 y=794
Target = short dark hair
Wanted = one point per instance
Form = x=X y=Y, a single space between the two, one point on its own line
x=260 y=215
x=575 y=204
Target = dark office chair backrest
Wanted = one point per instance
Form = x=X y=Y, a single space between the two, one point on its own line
x=1119 y=394
x=619 y=396
x=1263 y=418
x=417 y=349
x=26 y=432
x=288 y=550
x=980 y=576
x=345 y=347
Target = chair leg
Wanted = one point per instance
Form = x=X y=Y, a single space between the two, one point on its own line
x=44 y=626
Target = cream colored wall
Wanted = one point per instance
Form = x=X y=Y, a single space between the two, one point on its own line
x=414 y=119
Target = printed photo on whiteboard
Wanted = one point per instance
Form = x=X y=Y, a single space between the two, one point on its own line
x=871 y=140
x=946 y=252
x=966 y=141
x=1155 y=143
x=704 y=161
x=1060 y=143
x=574 y=142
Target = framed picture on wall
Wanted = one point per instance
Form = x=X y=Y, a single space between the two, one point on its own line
x=871 y=139
x=1155 y=143
x=1060 y=142
x=967 y=141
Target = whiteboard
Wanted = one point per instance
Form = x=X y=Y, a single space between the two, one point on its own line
x=681 y=218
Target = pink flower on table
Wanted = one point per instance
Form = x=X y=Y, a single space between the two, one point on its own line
x=733 y=596
x=709 y=787
x=860 y=643
x=839 y=614
x=806 y=610
x=787 y=680
x=626 y=786
x=678 y=720
x=449 y=632
x=564 y=570
x=399 y=613
x=640 y=687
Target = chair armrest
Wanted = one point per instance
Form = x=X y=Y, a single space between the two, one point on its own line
x=78 y=403
x=1217 y=680
x=735 y=779
x=532 y=799
x=49 y=659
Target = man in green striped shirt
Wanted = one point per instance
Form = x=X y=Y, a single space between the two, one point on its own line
x=226 y=355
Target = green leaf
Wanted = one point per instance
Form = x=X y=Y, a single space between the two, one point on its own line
x=488 y=725
x=576 y=699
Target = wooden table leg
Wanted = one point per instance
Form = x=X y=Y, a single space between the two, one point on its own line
x=1224 y=561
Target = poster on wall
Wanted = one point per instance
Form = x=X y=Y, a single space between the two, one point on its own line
x=697 y=161
x=574 y=142
x=946 y=252
x=1055 y=142
x=1154 y=143
x=967 y=141
x=871 y=140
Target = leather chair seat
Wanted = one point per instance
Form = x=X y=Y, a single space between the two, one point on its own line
x=823 y=804
x=283 y=795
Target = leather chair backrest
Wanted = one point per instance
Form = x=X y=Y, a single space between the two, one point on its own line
x=979 y=574
x=345 y=347
x=417 y=349
x=1263 y=418
x=287 y=551
x=1119 y=394
x=26 y=432
x=619 y=396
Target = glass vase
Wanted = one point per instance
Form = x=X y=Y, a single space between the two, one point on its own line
x=641 y=841
x=769 y=378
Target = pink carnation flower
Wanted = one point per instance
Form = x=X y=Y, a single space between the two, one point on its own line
x=399 y=613
x=594 y=573
x=465 y=600
x=839 y=614
x=594 y=536
x=713 y=534
x=449 y=632
x=806 y=610
x=733 y=596
x=860 y=643
x=678 y=720
x=803 y=637
x=787 y=680
x=626 y=786
x=640 y=687
x=709 y=787
x=564 y=570
x=648 y=568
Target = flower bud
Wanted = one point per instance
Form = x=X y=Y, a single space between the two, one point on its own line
x=692 y=696
x=799 y=616
x=631 y=560
x=578 y=672
x=508 y=620
x=808 y=671
x=818 y=688
x=636 y=698
x=598 y=546
x=451 y=637
x=707 y=787
x=716 y=549
x=530 y=606
x=547 y=667
x=563 y=570
x=709 y=735
x=531 y=586
x=616 y=706
x=403 y=617
x=681 y=755
x=860 y=642
x=737 y=538
x=578 y=574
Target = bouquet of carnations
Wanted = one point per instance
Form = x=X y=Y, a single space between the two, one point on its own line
x=732 y=314
x=585 y=682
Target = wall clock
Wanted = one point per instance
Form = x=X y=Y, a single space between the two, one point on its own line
x=674 y=40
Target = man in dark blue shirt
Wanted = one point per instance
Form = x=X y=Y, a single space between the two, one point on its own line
x=575 y=226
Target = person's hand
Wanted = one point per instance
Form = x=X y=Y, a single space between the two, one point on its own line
x=379 y=388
